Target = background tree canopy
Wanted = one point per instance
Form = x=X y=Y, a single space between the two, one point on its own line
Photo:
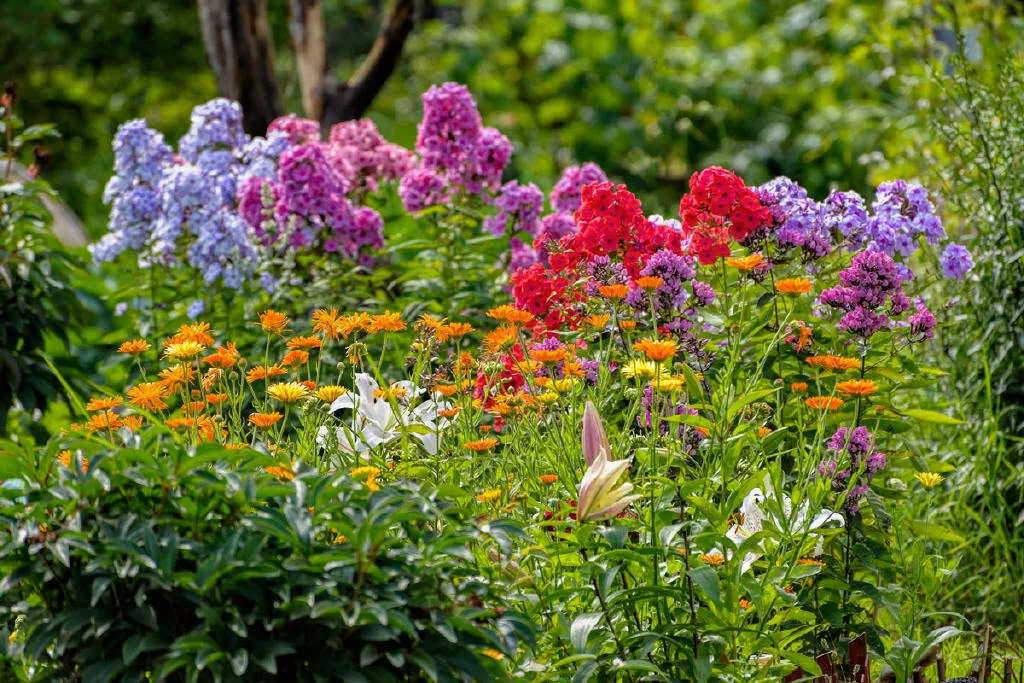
x=810 y=89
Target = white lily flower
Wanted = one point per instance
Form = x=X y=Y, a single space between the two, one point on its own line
x=374 y=422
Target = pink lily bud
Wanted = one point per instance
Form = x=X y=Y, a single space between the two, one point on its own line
x=594 y=439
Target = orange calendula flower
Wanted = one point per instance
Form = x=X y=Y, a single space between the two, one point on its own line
x=295 y=358
x=388 y=321
x=613 y=292
x=510 y=314
x=744 y=603
x=824 y=403
x=798 y=386
x=745 y=263
x=548 y=355
x=429 y=322
x=835 y=363
x=304 y=343
x=450 y=412
x=649 y=282
x=764 y=431
x=223 y=356
x=657 y=350
x=370 y=472
x=627 y=324
x=198 y=332
x=501 y=339
x=484 y=429
x=273 y=322
x=453 y=331
x=446 y=390
x=287 y=392
x=259 y=372
x=794 y=286
x=493 y=654
x=481 y=444
x=327 y=323
x=548 y=478
x=176 y=375
x=65 y=459
x=133 y=422
x=108 y=421
x=397 y=392
x=265 y=420
x=216 y=399
x=489 y=496
x=148 y=395
x=186 y=350
x=856 y=387
x=806 y=561
x=103 y=403
x=355 y=322
x=465 y=363
x=714 y=558
x=134 y=347
x=329 y=392
x=598 y=320
x=193 y=407
x=280 y=472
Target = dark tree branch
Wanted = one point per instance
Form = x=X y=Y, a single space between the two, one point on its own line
x=351 y=99
x=240 y=49
x=309 y=41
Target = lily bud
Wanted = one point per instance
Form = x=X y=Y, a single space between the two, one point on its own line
x=594 y=439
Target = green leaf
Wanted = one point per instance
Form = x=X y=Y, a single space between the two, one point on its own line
x=935 y=531
x=931 y=416
x=580 y=630
x=707 y=578
x=138 y=644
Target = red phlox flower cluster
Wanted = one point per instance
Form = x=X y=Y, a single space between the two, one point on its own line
x=545 y=293
x=719 y=208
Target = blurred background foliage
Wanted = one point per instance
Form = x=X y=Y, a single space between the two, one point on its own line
x=834 y=93
x=650 y=89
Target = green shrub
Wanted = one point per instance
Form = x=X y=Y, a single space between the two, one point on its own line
x=203 y=566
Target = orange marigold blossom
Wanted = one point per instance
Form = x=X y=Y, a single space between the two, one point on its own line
x=764 y=431
x=193 y=407
x=744 y=603
x=107 y=421
x=824 y=403
x=510 y=314
x=148 y=395
x=294 y=358
x=388 y=321
x=627 y=324
x=259 y=372
x=856 y=387
x=449 y=412
x=481 y=444
x=453 y=331
x=133 y=422
x=329 y=392
x=465 y=363
x=103 y=403
x=175 y=375
x=798 y=386
x=713 y=558
x=308 y=383
x=794 y=286
x=198 y=332
x=134 y=347
x=613 y=292
x=835 y=363
x=446 y=390
x=598 y=320
x=65 y=458
x=394 y=391
x=489 y=496
x=501 y=338
x=548 y=355
x=327 y=323
x=223 y=356
x=573 y=369
x=279 y=472
x=265 y=420
x=210 y=378
x=287 y=392
x=806 y=561
x=745 y=263
x=304 y=343
x=548 y=478
x=216 y=399
x=657 y=350
x=186 y=350
x=649 y=282
x=273 y=322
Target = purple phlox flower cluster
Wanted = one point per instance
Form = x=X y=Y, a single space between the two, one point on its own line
x=956 y=261
x=600 y=271
x=567 y=193
x=922 y=322
x=216 y=126
x=675 y=272
x=845 y=213
x=864 y=288
x=798 y=220
x=519 y=207
x=421 y=188
x=864 y=462
x=673 y=223
x=196 y=309
x=451 y=140
x=901 y=213
x=361 y=153
x=557 y=225
x=260 y=155
x=140 y=156
x=297 y=130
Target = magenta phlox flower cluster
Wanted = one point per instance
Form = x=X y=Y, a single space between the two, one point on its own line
x=360 y=153
x=852 y=450
x=871 y=280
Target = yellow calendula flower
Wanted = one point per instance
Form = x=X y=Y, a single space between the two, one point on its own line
x=186 y=350
x=548 y=397
x=489 y=496
x=287 y=392
x=929 y=480
x=644 y=369
x=667 y=384
x=493 y=654
x=329 y=392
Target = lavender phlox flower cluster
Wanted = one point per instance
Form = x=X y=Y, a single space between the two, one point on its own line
x=845 y=213
x=855 y=447
x=601 y=270
x=297 y=130
x=420 y=188
x=216 y=125
x=922 y=322
x=567 y=194
x=956 y=261
x=870 y=281
x=798 y=220
x=557 y=225
x=519 y=207
x=673 y=223
x=260 y=155
x=676 y=272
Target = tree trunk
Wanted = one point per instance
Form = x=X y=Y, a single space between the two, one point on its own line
x=309 y=41
x=240 y=49
x=350 y=100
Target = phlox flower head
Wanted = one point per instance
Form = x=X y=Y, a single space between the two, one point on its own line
x=568 y=191
x=956 y=261
x=519 y=207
